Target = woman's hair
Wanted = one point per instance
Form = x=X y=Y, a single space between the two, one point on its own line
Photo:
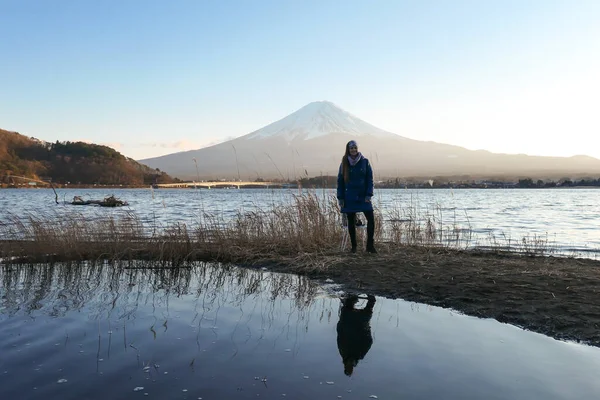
x=345 y=162
x=346 y=165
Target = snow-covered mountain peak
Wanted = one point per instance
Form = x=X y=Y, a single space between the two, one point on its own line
x=316 y=119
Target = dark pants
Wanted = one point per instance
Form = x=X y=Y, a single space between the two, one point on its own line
x=370 y=227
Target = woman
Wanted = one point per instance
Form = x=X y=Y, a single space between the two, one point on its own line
x=354 y=192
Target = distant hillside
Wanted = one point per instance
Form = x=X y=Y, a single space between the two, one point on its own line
x=71 y=162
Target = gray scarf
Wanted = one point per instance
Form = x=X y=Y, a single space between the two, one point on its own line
x=355 y=160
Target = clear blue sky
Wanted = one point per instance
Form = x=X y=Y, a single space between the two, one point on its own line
x=156 y=77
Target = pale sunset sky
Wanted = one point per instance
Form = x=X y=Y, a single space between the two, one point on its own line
x=156 y=77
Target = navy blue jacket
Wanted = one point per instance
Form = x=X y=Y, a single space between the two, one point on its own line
x=358 y=188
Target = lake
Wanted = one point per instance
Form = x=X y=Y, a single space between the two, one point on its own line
x=567 y=221
x=218 y=332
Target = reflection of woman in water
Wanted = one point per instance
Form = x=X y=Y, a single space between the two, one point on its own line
x=354 y=332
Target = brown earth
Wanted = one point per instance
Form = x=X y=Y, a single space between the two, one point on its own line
x=558 y=297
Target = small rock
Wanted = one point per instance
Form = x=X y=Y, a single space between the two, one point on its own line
x=61 y=381
x=138 y=388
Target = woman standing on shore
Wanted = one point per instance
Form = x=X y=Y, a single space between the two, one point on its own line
x=354 y=192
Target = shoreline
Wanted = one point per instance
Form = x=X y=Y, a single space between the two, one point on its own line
x=555 y=296
x=278 y=186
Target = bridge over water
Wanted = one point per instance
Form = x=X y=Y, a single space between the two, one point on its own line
x=210 y=185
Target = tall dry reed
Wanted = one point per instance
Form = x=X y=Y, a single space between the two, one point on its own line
x=307 y=224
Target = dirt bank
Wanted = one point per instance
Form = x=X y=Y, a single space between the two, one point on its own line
x=559 y=297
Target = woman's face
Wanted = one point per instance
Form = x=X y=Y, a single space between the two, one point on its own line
x=353 y=149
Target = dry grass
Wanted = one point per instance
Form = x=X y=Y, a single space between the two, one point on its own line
x=414 y=226
x=307 y=225
x=301 y=232
x=530 y=245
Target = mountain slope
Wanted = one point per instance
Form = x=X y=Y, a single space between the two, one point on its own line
x=317 y=119
x=310 y=142
x=74 y=162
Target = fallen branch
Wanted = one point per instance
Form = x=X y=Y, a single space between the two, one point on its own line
x=110 y=201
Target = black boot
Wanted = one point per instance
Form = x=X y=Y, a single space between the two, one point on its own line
x=370 y=231
x=352 y=233
x=370 y=246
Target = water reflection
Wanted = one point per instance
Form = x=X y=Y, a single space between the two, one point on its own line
x=203 y=322
x=59 y=288
x=98 y=331
x=354 y=337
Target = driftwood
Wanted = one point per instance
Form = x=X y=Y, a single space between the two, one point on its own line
x=110 y=201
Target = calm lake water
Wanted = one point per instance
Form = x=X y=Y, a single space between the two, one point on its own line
x=566 y=220
x=218 y=332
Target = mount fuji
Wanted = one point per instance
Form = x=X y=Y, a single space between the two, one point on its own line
x=311 y=142
x=316 y=120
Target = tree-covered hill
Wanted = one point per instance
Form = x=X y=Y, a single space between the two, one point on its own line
x=71 y=162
